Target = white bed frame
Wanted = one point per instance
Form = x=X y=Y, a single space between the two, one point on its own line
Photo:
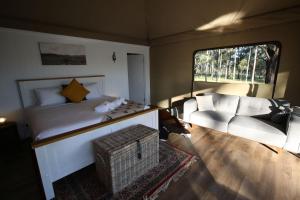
x=58 y=157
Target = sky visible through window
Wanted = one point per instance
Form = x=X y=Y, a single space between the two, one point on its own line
x=239 y=64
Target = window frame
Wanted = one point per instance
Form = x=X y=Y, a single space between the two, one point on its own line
x=274 y=42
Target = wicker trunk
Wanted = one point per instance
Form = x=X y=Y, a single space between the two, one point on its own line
x=123 y=156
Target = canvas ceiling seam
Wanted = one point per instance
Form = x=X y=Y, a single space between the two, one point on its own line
x=238 y=13
x=162 y=39
x=198 y=37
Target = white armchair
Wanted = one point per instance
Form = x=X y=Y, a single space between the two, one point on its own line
x=293 y=134
x=189 y=107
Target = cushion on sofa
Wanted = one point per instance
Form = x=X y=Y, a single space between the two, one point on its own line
x=205 y=103
x=257 y=129
x=254 y=106
x=211 y=119
x=225 y=103
x=293 y=139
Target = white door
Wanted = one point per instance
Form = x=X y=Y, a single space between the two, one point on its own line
x=136 y=77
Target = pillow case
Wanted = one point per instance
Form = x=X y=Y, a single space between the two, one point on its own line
x=224 y=102
x=255 y=106
x=49 y=96
x=67 y=100
x=94 y=91
x=205 y=103
x=75 y=91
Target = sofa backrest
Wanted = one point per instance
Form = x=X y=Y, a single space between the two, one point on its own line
x=254 y=106
x=225 y=103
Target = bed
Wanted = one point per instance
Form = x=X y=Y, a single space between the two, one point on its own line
x=62 y=134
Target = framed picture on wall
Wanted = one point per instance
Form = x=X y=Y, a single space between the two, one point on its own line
x=62 y=54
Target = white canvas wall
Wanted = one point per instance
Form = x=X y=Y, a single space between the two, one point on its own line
x=20 y=59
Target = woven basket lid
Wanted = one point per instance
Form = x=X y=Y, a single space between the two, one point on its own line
x=124 y=137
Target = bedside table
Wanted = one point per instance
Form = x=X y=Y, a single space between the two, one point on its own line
x=9 y=137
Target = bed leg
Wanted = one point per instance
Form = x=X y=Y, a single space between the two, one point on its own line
x=45 y=173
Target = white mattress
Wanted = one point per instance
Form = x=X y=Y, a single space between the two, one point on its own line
x=48 y=121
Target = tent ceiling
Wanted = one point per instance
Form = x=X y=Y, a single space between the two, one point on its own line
x=148 y=19
x=168 y=18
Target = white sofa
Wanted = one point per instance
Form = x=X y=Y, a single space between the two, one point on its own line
x=247 y=117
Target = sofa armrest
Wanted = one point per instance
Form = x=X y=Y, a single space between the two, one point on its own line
x=293 y=134
x=189 y=107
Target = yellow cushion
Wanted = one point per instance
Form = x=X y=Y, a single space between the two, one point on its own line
x=75 y=92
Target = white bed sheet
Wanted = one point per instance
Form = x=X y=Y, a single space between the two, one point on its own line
x=48 y=121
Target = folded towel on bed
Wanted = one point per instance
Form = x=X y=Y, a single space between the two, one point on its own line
x=117 y=102
x=102 y=108
x=108 y=106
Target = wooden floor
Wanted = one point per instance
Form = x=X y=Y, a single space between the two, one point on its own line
x=228 y=168
x=234 y=168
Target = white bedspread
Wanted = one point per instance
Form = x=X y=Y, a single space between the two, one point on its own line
x=48 y=121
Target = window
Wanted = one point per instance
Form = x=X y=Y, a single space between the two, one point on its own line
x=250 y=63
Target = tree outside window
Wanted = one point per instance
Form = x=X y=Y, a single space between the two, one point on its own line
x=256 y=63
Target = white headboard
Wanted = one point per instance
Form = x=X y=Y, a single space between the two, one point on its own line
x=26 y=87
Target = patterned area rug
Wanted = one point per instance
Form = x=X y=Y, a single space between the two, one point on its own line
x=84 y=184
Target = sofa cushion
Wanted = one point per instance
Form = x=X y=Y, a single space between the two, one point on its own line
x=257 y=129
x=254 y=106
x=225 y=103
x=211 y=119
x=205 y=103
x=293 y=139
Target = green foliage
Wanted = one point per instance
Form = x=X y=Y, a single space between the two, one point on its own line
x=243 y=64
x=228 y=64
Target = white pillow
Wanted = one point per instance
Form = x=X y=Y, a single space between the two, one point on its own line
x=252 y=106
x=205 y=103
x=49 y=96
x=224 y=103
x=94 y=91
